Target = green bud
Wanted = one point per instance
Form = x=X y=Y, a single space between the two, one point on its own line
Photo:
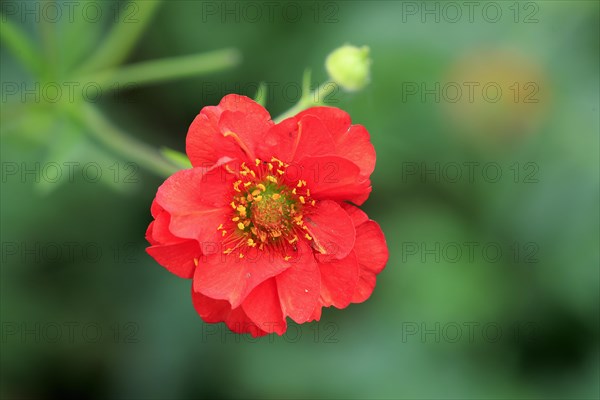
x=349 y=66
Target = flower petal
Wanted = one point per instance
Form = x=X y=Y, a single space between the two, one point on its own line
x=213 y=311
x=262 y=306
x=351 y=141
x=178 y=258
x=205 y=144
x=208 y=140
x=331 y=229
x=239 y=322
x=229 y=277
x=296 y=138
x=356 y=146
x=160 y=233
x=357 y=215
x=372 y=254
x=247 y=130
x=371 y=248
x=299 y=286
x=337 y=121
x=333 y=178
x=197 y=201
x=339 y=279
x=210 y=310
x=365 y=286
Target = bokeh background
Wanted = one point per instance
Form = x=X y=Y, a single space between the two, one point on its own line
x=512 y=175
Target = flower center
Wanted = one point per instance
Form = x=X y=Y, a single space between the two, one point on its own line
x=267 y=210
x=271 y=209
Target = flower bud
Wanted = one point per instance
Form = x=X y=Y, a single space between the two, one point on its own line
x=349 y=67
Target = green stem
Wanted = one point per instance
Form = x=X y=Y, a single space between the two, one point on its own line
x=21 y=46
x=167 y=69
x=121 y=143
x=49 y=46
x=133 y=20
x=315 y=98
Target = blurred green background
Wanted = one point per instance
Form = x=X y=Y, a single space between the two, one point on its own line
x=489 y=202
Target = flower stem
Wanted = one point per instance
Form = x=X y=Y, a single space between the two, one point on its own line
x=122 y=37
x=166 y=69
x=23 y=48
x=121 y=143
x=315 y=98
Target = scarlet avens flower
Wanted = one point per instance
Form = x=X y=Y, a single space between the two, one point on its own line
x=266 y=223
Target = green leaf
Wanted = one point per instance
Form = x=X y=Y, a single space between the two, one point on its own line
x=176 y=157
x=261 y=94
x=306 y=83
x=21 y=46
x=122 y=37
x=166 y=69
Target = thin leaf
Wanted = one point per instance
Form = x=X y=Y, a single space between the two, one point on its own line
x=176 y=157
x=261 y=94
x=21 y=46
x=166 y=69
x=122 y=37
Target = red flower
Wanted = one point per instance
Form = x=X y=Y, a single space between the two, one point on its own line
x=263 y=223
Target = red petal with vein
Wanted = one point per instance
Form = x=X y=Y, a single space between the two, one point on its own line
x=356 y=146
x=197 y=202
x=247 y=130
x=357 y=215
x=337 y=121
x=210 y=310
x=372 y=254
x=262 y=306
x=213 y=311
x=177 y=258
x=371 y=248
x=334 y=178
x=339 y=279
x=331 y=229
x=228 y=277
x=206 y=142
x=366 y=285
x=299 y=286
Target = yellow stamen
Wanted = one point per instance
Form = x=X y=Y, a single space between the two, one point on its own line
x=236 y=186
x=240 y=226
